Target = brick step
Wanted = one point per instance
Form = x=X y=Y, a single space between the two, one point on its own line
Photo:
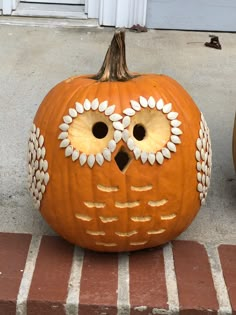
x=46 y=275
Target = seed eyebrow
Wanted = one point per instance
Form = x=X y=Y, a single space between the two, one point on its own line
x=138 y=243
x=126 y=234
x=141 y=188
x=107 y=188
x=108 y=219
x=106 y=244
x=153 y=232
x=83 y=217
x=95 y=233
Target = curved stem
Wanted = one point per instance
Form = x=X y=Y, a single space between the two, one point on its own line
x=114 y=66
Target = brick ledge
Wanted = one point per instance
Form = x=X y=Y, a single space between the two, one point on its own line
x=46 y=275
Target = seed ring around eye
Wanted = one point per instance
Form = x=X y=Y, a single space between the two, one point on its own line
x=139 y=130
x=99 y=130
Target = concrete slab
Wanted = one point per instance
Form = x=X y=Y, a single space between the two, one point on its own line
x=33 y=59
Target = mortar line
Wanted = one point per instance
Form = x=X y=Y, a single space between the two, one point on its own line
x=21 y=304
x=218 y=280
x=72 y=301
x=171 y=282
x=123 y=297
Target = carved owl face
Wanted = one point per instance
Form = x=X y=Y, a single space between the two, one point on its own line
x=119 y=166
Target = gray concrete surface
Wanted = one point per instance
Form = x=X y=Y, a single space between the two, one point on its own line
x=33 y=59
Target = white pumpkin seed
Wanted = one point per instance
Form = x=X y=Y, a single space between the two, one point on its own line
x=103 y=106
x=203 y=166
x=36 y=165
x=45 y=165
x=46 y=178
x=172 y=115
x=167 y=108
x=110 y=110
x=117 y=135
x=143 y=101
x=36 y=193
x=125 y=135
x=199 y=144
x=151 y=158
x=199 y=187
x=42 y=176
x=31 y=147
x=204 y=142
x=38 y=186
x=112 y=145
x=41 y=164
x=203 y=201
x=79 y=107
x=129 y=112
x=75 y=155
x=37 y=132
x=118 y=125
x=151 y=102
x=137 y=153
x=40 y=196
x=115 y=117
x=175 y=139
x=91 y=160
x=166 y=153
x=131 y=144
x=64 y=143
x=34 y=156
x=34 y=137
x=171 y=146
x=33 y=129
x=203 y=154
x=43 y=188
x=99 y=159
x=201 y=133
x=87 y=104
x=160 y=104
x=63 y=135
x=73 y=112
x=135 y=105
x=199 y=177
x=64 y=127
x=39 y=153
x=41 y=141
x=144 y=157
x=69 y=151
x=207 y=181
x=43 y=152
x=36 y=144
x=198 y=156
x=176 y=131
x=159 y=158
x=67 y=119
x=95 y=104
x=203 y=179
x=37 y=175
x=107 y=154
x=175 y=123
x=82 y=159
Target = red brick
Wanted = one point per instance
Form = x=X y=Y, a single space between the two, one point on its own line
x=99 y=282
x=13 y=253
x=228 y=261
x=147 y=281
x=48 y=291
x=196 y=290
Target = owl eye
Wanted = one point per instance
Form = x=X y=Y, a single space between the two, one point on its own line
x=139 y=132
x=100 y=130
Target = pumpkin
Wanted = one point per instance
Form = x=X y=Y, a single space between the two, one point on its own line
x=119 y=161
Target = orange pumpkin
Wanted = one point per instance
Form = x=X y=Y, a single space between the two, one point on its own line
x=119 y=161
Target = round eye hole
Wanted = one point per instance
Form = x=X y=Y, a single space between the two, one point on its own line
x=139 y=132
x=100 y=130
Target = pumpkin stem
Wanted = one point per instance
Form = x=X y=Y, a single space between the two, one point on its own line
x=114 y=66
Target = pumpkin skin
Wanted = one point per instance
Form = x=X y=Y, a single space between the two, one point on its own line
x=110 y=208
